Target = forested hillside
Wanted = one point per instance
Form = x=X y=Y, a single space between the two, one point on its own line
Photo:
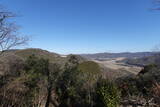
x=35 y=77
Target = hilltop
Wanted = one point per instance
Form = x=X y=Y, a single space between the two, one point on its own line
x=13 y=60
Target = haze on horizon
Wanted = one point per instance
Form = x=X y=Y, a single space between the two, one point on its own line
x=88 y=26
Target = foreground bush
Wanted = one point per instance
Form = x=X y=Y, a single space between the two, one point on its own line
x=107 y=94
x=156 y=93
x=25 y=89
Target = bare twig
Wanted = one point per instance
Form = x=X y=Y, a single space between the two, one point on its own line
x=9 y=36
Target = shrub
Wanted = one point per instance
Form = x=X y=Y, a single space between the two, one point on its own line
x=156 y=93
x=107 y=94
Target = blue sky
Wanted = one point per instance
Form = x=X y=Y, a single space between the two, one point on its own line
x=88 y=26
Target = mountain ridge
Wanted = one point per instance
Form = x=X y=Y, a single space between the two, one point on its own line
x=106 y=55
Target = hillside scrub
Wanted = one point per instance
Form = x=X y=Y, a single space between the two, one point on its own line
x=40 y=82
x=143 y=88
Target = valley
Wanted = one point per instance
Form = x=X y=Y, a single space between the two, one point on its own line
x=115 y=64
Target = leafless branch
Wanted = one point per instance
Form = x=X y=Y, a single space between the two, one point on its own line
x=9 y=36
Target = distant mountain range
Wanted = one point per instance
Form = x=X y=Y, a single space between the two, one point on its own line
x=155 y=59
x=101 y=56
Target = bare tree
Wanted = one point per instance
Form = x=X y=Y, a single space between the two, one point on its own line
x=9 y=36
